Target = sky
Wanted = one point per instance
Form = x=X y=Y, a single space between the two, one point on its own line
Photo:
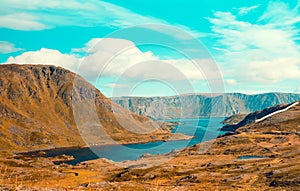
x=159 y=48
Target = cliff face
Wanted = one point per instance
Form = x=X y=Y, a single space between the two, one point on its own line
x=36 y=111
x=192 y=106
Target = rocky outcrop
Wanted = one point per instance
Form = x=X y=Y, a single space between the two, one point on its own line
x=234 y=119
x=202 y=105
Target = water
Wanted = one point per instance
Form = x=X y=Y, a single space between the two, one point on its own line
x=203 y=129
x=250 y=157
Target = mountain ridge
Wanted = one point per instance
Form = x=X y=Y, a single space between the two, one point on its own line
x=259 y=116
x=199 y=105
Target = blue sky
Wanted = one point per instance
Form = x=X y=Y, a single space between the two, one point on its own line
x=146 y=48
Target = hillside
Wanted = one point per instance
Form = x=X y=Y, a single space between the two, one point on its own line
x=257 y=116
x=36 y=111
x=202 y=105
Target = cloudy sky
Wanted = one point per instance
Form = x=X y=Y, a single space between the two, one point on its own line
x=155 y=47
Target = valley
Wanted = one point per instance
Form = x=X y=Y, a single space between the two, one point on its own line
x=222 y=163
x=260 y=154
x=253 y=150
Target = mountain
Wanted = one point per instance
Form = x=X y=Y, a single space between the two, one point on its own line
x=258 y=116
x=37 y=105
x=202 y=105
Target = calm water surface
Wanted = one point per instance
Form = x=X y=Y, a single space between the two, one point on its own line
x=250 y=157
x=203 y=129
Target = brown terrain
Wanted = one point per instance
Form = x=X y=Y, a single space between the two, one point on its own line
x=275 y=141
x=37 y=105
x=213 y=165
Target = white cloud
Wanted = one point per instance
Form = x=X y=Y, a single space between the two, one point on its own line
x=21 y=21
x=111 y=57
x=119 y=58
x=39 y=15
x=177 y=31
x=238 y=36
x=231 y=82
x=7 y=47
x=246 y=10
x=115 y=85
x=274 y=70
x=166 y=70
x=111 y=45
x=265 y=51
x=46 y=56
x=281 y=15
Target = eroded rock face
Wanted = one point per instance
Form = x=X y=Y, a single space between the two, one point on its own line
x=192 y=106
x=37 y=111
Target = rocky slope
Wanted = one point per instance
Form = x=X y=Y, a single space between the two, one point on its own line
x=36 y=111
x=193 y=106
x=234 y=119
x=254 y=117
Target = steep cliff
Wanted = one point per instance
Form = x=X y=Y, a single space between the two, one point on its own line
x=200 y=105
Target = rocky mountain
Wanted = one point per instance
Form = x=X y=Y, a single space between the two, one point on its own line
x=37 y=111
x=202 y=105
x=257 y=116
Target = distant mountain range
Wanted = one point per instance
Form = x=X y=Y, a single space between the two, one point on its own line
x=202 y=105
x=37 y=111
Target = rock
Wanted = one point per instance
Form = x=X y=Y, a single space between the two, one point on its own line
x=203 y=105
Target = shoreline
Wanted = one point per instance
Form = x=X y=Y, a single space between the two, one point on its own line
x=173 y=137
x=37 y=151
